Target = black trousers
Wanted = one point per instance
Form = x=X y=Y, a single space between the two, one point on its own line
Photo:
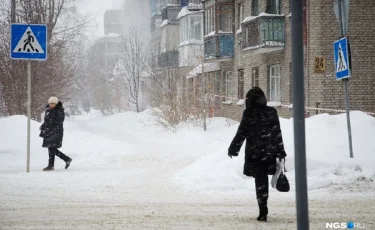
x=261 y=186
x=54 y=151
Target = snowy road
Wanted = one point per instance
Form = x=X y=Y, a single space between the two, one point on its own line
x=122 y=180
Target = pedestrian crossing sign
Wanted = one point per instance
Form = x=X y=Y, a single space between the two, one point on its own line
x=341 y=59
x=28 y=41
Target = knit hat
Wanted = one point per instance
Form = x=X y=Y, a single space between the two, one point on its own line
x=54 y=100
x=255 y=98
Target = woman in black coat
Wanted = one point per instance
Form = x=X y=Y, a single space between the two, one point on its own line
x=260 y=127
x=52 y=131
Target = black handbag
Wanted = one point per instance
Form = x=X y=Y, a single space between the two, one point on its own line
x=282 y=184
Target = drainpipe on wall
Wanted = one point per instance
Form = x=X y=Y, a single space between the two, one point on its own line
x=306 y=55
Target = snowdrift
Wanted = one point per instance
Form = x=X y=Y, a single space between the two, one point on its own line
x=84 y=147
x=100 y=144
x=328 y=160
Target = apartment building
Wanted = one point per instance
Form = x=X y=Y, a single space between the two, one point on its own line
x=247 y=43
x=263 y=57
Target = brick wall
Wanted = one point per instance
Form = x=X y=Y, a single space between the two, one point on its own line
x=190 y=55
x=247 y=60
x=323 y=31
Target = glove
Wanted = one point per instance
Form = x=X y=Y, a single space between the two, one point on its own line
x=280 y=162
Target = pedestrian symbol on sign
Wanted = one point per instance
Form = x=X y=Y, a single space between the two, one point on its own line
x=342 y=58
x=30 y=39
x=28 y=43
x=341 y=65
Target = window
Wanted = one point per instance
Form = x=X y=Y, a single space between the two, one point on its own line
x=254 y=8
x=228 y=85
x=241 y=84
x=272 y=31
x=183 y=29
x=210 y=20
x=255 y=77
x=226 y=19
x=191 y=29
x=240 y=13
x=275 y=77
x=195 y=28
x=163 y=43
x=273 y=6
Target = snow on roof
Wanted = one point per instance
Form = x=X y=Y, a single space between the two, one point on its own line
x=185 y=11
x=165 y=22
x=247 y=19
x=208 y=67
x=210 y=34
x=113 y=35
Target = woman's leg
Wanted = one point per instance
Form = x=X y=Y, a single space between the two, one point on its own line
x=51 y=153
x=261 y=186
x=51 y=160
x=65 y=158
x=61 y=155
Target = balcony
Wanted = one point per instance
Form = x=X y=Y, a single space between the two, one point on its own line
x=219 y=46
x=155 y=22
x=264 y=33
x=169 y=59
x=193 y=5
x=170 y=13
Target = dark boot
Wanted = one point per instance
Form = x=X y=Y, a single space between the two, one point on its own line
x=49 y=168
x=263 y=212
x=261 y=185
x=68 y=163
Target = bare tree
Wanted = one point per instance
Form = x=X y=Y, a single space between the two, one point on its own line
x=52 y=77
x=165 y=86
x=129 y=68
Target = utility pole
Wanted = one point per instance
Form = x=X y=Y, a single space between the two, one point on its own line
x=298 y=78
x=13 y=11
x=343 y=6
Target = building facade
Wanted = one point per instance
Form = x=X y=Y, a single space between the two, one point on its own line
x=247 y=43
x=263 y=57
x=115 y=21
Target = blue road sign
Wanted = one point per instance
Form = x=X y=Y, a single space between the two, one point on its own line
x=28 y=41
x=341 y=56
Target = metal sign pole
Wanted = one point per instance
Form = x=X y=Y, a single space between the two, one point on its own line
x=346 y=80
x=28 y=42
x=298 y=76
x=28 y=113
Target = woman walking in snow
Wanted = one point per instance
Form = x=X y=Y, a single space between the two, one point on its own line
x=52 y=132
x=260 y=127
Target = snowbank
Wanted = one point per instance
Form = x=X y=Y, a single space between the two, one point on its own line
x=328 y=159
x=84 y=147
x=108 y=146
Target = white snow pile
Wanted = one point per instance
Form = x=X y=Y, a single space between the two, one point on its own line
x=103 y=148
x=164 y=23
x=207 y=67
x=86 y=148
x=250 y=18
x=185 y=11
x=328 y=160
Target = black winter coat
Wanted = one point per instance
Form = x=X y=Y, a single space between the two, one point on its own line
x=260 y=127
x=52 y=129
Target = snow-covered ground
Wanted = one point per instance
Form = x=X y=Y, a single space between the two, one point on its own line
x=128 y=173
